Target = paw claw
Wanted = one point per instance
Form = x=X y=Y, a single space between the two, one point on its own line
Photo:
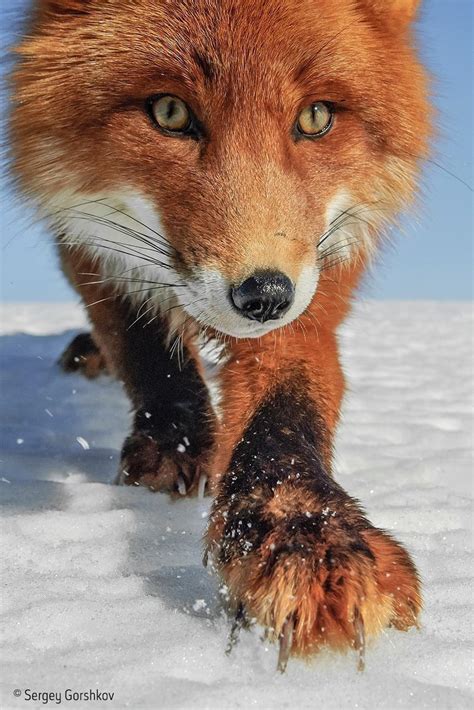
x=120 y=478
x=181 y=483
x=146 y=462
x=359 y=639
x=205 y=557
x=286 y=638
x=240 y=620
x=202 y=486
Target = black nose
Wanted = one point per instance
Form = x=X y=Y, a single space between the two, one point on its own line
x=264 y=296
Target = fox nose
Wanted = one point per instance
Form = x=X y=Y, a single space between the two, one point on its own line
x=264 y=296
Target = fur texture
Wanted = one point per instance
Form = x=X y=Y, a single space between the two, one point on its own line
x=154 y=229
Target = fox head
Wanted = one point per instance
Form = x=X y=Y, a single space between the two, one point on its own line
x=235 y=152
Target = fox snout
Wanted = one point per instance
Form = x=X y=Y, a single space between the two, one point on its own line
x=266 y=296
x=247 y=246
x=250 y=307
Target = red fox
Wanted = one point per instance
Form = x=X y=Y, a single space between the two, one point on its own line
x=226 y=169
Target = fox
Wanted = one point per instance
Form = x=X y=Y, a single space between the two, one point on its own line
x=226 y=171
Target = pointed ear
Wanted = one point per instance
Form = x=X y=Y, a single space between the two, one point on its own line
x=397 y=14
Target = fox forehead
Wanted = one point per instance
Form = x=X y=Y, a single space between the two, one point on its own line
x=225 y=45
x=214 y=42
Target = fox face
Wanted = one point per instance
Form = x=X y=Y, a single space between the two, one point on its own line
x=238 y=156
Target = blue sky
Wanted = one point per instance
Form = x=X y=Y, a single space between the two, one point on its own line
x=433 y=257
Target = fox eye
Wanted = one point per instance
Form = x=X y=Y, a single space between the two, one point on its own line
x=170 y=113
x=315 y=120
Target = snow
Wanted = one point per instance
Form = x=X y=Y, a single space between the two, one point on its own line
x=103 y=587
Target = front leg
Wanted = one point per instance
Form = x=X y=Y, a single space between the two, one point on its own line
x=173 y=423
x=295 y=551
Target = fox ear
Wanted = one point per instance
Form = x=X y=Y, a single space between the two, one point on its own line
x=396 y=13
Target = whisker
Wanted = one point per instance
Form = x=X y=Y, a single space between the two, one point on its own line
x=152 y=244
x=135 y=254
x=141 y=315
x=137 y=221
x=339 y=246
x=364 y=207
x=329 y=232
x=161 y=246
x=344 y=223
x=128 y=280
x=129 y=293
x=334 y=263
x=115 y=210
x=121 y=229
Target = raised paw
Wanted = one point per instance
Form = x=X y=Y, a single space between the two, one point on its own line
x=175 y=468
x=82 y=355
x=314 y=573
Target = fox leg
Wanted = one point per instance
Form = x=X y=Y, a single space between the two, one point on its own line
x=173 y=423
x=295 y=551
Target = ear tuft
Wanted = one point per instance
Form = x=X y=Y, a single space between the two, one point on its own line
x=396 y=13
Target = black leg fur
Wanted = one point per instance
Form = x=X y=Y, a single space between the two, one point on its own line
x=174 y=422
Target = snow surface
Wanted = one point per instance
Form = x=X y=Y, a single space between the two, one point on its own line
x=104 y=588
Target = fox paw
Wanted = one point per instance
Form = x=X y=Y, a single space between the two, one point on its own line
x=320 y=578
x=83 y=356
x=145 y=463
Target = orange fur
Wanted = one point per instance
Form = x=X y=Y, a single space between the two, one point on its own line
x=253 y=370
x=247 y=196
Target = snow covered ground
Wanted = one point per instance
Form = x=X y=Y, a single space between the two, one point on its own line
x=104 y=588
